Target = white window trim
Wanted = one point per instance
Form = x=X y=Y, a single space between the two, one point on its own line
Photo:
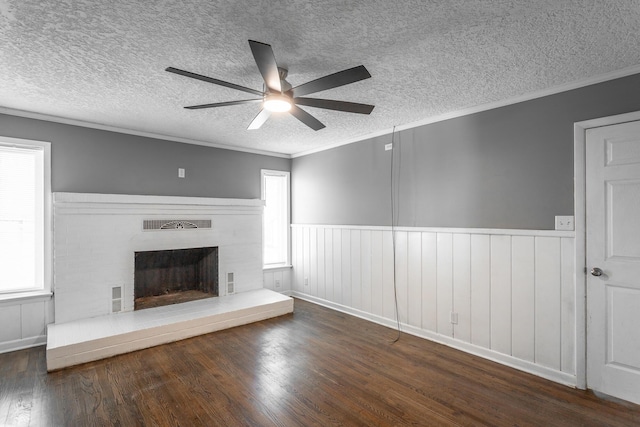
x=263 y=173
x=47 y=289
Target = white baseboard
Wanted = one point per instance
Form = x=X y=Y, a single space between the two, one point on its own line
x=21 y=344
x=513 y=362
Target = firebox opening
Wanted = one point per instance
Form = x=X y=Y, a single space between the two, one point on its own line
x=174 y=276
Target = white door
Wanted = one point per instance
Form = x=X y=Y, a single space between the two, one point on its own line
x=613 y=260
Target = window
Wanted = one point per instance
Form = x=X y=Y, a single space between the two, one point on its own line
x=275 y=220
x=24 y=215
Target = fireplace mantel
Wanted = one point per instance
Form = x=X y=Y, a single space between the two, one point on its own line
x=131 y=199
x=96 y=236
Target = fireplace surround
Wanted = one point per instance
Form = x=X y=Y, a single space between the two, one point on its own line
x=96 y=236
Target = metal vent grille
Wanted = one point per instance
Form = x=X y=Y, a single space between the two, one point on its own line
x=230 y=284
x=116 y=299
x=175 y=224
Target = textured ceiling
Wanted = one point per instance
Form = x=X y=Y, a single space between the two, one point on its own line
x=103 y=61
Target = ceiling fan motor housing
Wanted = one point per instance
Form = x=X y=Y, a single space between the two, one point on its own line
x=285 y=85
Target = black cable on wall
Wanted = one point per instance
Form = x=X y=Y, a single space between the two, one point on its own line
x=394 y=214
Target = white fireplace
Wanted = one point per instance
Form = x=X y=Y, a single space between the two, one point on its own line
x=97 y=235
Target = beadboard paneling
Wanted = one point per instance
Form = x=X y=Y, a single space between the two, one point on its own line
x=444 y=283
x=377 y=272
x=547 y=302
x=321 y=283
x=365 y=273
x=414 y=279
x=568 y=305
x=429 y=280
x=401 y=275
x=24 y=322
x=462 y=286
x=481 y=290
x=522 y=294
x=501 y=303
x=513 y=294
x=278 y=279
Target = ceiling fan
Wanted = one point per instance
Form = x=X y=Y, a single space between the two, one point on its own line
x=279 y=96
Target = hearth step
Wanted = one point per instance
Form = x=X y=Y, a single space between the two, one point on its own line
x=86 y=340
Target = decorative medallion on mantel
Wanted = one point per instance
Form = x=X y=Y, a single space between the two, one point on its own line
x=175 y=224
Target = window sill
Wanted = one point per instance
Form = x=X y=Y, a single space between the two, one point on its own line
x=277 y=267
x=24 y=297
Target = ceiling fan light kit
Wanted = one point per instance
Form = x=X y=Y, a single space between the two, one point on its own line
x=277 y=103
x=279 y=96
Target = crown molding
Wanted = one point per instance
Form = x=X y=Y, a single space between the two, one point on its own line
x=429 y=120
x=98 y=126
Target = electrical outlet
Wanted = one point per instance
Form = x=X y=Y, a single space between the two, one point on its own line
x=277 y=283
x=454 y=318
x=306 y=281
x=181 y=173
x=388 y=146
x=564 y=222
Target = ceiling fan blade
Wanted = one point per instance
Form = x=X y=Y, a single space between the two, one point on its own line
x=223 y=104
x=266 y=61
x=259 y=119
x=306 y=118
x=212 y=80
x=340 y=78
x=330 y=104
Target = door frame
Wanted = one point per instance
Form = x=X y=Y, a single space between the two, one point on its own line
x=580 y=223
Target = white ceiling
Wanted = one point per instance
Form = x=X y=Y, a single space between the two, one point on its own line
x=103 y=62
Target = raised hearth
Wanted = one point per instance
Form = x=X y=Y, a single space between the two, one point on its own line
x=100 y=337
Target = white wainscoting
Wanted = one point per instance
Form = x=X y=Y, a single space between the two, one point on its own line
x=278 y=279
x=24 y=322
x=513 y=291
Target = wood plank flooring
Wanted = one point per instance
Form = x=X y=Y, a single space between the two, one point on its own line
x=314 y=367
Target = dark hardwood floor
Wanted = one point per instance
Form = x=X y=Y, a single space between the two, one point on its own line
x=314 y=367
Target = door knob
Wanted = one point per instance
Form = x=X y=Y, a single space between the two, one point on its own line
x=595 y=271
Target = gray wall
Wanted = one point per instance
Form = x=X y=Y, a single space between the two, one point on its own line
x=510 y=167
x=87 y=160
